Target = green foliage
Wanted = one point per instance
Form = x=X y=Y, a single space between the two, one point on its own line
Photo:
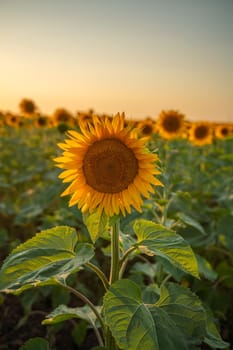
x=225 y=231
x=176 y=321
x=49 y=257
x=189 y=230
x=213 y=339
x=154 y=239
x=62 y=313
x=96 y=224
x=35 y=343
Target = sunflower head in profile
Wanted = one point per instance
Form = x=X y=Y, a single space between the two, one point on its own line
x=27 y=107
x=108 y=167
x=147 y=127
x=170 y=124
x=201 y=133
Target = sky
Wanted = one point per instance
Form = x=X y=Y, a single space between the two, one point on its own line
x=134 y=56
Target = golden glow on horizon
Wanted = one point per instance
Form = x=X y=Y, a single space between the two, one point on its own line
x=115 y=65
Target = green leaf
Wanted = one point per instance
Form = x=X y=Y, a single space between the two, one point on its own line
x=3 y=236
x=79 y=332
x=225 y=231
x=63 y=313
x=145 y=268
x=185 y=309
x=137 y=326
x=213 y=338
x=35 y=343
x=96 y=224
x=128 y=318
x=49 y=257
x=191 y=222
x=154 y=239
x=206 y=269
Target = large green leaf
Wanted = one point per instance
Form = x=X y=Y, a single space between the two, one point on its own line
x=47 y=258
x=186 y=311
x=128 y=318
x=154 y=239
x=63 y=313
x=136 y=325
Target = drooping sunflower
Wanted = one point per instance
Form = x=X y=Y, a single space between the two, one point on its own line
x=170 y=124
x=108 y=167
x=147 y=127
x=201 y=133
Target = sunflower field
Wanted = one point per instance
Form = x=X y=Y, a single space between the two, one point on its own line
x=115 y=233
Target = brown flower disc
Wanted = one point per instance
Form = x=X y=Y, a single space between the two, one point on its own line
x=109 y=166
x=201 y=132
x=171 y=123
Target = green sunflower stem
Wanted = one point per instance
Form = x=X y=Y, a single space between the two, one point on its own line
x=115 y=252
x=93 y=308
x=99 y=273
x=114 y=274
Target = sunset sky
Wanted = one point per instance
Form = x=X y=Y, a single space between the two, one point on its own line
x=132 y=56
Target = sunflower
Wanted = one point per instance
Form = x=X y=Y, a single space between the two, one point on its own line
x=27 y=107
x=222 y=130
x=170 y=124
x=62 y=116
x=13 y=120
x=147 y=127
x=41 y=121
x=2 y=118
x=201 y=133
x=108 y=167
x=85 y=118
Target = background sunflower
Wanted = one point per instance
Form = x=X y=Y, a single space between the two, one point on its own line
x=201 y=133
x=222 y=130
x=170 y=124
x=27 y=107
x=147 y=127
x=62 y=116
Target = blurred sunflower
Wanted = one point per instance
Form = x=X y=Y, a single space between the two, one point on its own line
x=13 y=120
x=41 y=121
x=201 y=133
x=146 y=127
x=27 y=107
x=108 y=167
x=170 y=124
x=222 y=130
x=62 y=116
x=2 y=119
